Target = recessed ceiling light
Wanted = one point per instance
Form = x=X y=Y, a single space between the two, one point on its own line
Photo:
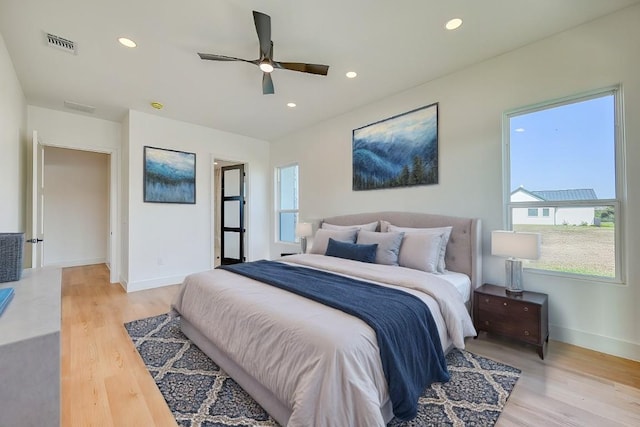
x=454 y=23
x=351 y=74
x=520 y=130
x=157 y=105
x=127 y=42
x=291 y=104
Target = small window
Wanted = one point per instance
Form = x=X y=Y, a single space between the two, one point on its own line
x=287 y=194
x=562 y=160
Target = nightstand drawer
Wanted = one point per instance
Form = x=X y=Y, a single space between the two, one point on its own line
x=508 y=307
x=523 y=330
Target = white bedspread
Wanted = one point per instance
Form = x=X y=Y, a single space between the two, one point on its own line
x=319 y=361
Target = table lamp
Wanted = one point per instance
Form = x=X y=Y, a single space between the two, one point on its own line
x=515 y=246
x=303 y=230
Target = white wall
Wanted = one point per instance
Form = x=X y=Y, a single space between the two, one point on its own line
x=70 y=130
x=472 y=101
x=168 y=241
x=13 y=143
x=76 y=207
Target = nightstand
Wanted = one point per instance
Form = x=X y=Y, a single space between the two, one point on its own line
x=524 y=318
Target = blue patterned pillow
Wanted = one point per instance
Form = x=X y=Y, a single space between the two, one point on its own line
x=354 y=251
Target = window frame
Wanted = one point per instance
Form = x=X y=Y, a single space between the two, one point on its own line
x=278 y=205
x=620 y=182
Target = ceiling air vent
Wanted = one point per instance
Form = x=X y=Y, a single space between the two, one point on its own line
x=80 y=107
x=60 y=43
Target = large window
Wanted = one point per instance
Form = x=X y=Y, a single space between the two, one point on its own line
x=287 y=202
x=563 y=181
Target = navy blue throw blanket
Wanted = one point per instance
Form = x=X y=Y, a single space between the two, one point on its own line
x=410 y=347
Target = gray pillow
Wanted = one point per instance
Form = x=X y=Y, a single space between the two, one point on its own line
x=446 y=234
x=420 y=251
x=321 y=239
x=388 y=245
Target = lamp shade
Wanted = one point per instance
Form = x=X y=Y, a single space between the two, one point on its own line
x=515 y=244
x=303 y=229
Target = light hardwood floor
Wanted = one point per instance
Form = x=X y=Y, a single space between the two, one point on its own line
x=105 y=383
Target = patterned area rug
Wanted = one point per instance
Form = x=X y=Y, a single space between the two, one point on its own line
x=199 y=393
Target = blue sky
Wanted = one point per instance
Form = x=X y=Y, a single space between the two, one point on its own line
x=567 y=147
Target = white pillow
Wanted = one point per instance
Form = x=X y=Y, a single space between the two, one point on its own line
x=388 y=245
x=420 y=251
x=321 y=239
x=446 y=234
x=372 y=226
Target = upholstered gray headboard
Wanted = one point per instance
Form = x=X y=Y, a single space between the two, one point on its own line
x=464 y=250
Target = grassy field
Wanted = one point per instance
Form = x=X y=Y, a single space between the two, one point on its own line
x=575 y=249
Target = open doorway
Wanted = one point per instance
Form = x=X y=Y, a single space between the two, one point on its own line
x=229 y=212
x=36 y=211
x=76 y=207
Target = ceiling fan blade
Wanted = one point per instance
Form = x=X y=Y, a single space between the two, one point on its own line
x=263 y=28
x=267 y=84
x=266 y=62
x=304 y=68
x=213 y=57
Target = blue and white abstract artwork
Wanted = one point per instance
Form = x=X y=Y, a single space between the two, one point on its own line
x=169 y=176
x=397 y=152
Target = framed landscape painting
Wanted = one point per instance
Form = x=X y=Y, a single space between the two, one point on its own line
x=399 y=151
x=169 y=176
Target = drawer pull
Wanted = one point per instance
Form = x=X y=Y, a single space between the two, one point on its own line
x=526 y=309
x=526 y=333
x=486 y=322
x=504 y=303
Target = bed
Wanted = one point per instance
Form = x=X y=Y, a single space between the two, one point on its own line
x=309 y=364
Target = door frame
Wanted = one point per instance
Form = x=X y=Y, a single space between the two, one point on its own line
x=36 y=189
x=114 y=202
x=241 y=223
x=213 y=207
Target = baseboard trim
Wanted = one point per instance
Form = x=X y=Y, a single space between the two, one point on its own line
x=153 y=283
x=123 y=283
x=615 y=347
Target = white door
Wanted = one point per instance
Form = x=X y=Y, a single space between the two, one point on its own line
x=37 y=206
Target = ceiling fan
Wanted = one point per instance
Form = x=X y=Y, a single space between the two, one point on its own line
x=266 y=62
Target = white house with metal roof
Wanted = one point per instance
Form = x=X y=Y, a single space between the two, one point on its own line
x=551 y=215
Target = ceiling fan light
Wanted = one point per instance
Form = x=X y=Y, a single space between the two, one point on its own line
x=453 y=24
x=266 y=66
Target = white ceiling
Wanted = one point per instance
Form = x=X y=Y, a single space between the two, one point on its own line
x=393 y=45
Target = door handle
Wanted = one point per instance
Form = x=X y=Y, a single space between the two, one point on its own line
x=34 y=240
